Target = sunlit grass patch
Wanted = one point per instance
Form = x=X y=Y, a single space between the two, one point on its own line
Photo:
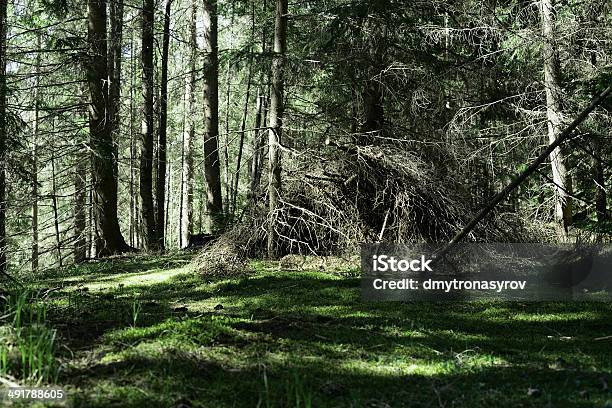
x=277 y=337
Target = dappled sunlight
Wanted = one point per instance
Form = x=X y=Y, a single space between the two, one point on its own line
x=133 y=279
x=157 y=329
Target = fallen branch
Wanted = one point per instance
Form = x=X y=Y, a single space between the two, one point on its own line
x=603 y=338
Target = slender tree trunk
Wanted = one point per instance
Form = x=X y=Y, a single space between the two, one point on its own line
x=3 y=137
x=244 y=115
x=35 y=130
x=188 y=136
x=104 y=180
x=212 y=173
x=256 y=159
x=133 y=210
x=260 y=122
x=160 y=188
x=563 y=187
x=80 y=209
x=80 y=201
x=114 y=72
x=58 y=239
x=168 y=187
x=226 y=172
x=91 y=247
x=147 y=145
x=276 y=117
x=601 y=204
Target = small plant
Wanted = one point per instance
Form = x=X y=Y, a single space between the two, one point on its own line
x=295 y=394
x=136 y=308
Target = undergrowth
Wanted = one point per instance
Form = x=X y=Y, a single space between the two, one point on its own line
x=27 y=342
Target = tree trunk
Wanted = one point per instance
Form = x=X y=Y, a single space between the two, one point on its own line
x=255 y=165
x=35 y=130
x=256 y=159
x=104 y=182
x=146 y=148
x=244 y=116
x=212 y=171
x=58 y=240
x=562 y=187
x=188 y=136
x=600 y=182
x=80 y=201
x=3 y=137
x=160 y=188
x=276 y=117
x=226 y=178
x=114 y=72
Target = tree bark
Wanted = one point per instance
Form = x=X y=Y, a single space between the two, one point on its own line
x=188 y=136
x=160 y=189
x=104 y=182
x=147 y=145
x=212 y=171
x=562 y=187
x=276 y=120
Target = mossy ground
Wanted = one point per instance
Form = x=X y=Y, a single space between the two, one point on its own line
x=150 y=332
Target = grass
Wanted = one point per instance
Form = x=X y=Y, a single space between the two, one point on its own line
x=27 y=342
x=150 y=332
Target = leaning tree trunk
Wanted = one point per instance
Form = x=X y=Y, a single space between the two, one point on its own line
x=160 y=185
x=212 y=170
x=188 y=136
x=276 y=120
x=562 y=182
x=104 y=183
x=3 y=137
x=146 y=146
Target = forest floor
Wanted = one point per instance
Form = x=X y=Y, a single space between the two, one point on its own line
x=151 y=332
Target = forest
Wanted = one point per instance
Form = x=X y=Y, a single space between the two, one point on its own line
x=185 y=186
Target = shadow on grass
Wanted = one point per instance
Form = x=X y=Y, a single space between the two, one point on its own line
x=283 y=339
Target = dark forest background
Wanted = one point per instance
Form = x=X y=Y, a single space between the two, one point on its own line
x=304 y=127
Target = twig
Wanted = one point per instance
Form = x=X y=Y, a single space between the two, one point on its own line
x=603 y=338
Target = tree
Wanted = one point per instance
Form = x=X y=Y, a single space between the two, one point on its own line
x=212 y=167
x=104 y=184
x=562 y=183
x=80 y=201
x=146 y=142
x=35 y=131
x=276 y=122
x=160 y=186
x=186 y=221
x=114 y=71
